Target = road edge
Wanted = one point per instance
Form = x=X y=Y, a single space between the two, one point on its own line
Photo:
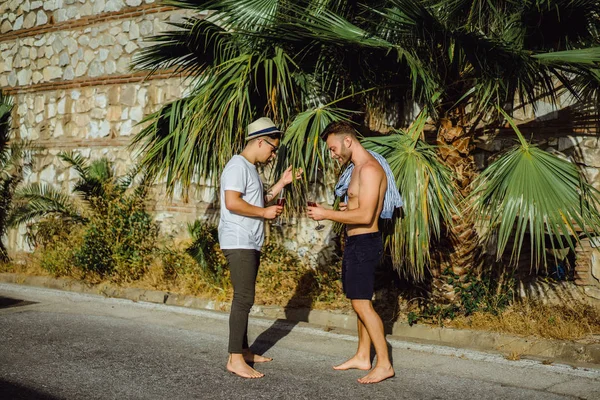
x=508 y=345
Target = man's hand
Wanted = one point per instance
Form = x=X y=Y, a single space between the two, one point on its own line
x=272 y=212
x=343 y=206
x=288 y=175
x=316 y=213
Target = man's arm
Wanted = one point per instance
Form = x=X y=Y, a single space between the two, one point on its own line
x=286 y=179
x=237 y=205
x=274 y=191
x=370 y=179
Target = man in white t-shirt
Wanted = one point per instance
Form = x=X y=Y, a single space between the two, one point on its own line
x=241 y=233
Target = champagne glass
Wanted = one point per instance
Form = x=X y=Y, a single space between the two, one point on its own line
x=280 y=202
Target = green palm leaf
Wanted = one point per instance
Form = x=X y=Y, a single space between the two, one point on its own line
x=194 y=137
x=39 y=200
x=94 y=176
x=303 y=148
x=192 y=47
x=528 y=190
x=428 y=193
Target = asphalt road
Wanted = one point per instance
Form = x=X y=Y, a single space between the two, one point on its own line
x=61 y=345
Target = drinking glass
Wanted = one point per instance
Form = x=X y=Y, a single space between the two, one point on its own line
x=280 y=202
x=312 y=203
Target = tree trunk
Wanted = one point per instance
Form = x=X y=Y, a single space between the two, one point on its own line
x=459 y=252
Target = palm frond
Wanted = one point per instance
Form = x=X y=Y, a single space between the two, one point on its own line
x=100 y=170
x=427 y=189
x=199 y=5
x=39 y=200
x=194 y=137
x=76 y=161
x=587 y=56
x=248 y=15
x=304 y=149
x=528 y=190
x=195 y=45
x=6 y=107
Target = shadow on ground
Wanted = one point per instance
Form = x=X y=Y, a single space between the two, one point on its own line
x=16 y=391
x=300 y=304
x=8 y=302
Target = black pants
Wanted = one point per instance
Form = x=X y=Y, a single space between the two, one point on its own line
x=243 y=266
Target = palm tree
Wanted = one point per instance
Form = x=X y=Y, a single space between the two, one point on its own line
x=467 y=64
x=14 y=160
x=117 y=235
x=96 y=188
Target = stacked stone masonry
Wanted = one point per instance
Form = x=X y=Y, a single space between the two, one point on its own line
x=67 y=65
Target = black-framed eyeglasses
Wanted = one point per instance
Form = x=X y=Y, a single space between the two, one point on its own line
x=275 y=148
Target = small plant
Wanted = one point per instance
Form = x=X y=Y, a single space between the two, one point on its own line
x=206 y=252
x=486 y=293
x=14 y=160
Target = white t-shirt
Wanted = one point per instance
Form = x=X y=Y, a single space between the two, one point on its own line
x=237 y=231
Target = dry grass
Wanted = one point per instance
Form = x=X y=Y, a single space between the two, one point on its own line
x=284 y=281
x=290 y=284
x=575 y=321
x=27 y=265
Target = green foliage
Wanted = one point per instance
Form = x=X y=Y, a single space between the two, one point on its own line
x=205 y=251
x=528 y=190
x=110 y=235
x=175 y=263
x=58 y=259
x=488 y=292
x=15 y=159
x=38 y=200
x=119 y=243
x=56 y=241
x=49 y=230
x=428 y=194
x=458 y=60
x=95 y=254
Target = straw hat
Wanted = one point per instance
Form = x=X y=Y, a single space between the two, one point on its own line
x=261 y=127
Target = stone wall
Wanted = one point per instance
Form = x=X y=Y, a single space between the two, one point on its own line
x=67 y=65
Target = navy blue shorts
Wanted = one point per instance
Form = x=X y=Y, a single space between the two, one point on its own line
x=362 y=254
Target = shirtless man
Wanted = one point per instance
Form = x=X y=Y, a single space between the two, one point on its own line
x=363 y=248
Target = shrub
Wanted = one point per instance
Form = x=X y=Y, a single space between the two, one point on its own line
x=488 y=293
x=206 y=252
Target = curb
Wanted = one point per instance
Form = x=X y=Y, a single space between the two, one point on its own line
x=550 y=350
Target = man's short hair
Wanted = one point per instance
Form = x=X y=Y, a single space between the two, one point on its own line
x=338 y=128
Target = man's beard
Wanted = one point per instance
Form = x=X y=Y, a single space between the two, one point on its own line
x=345 y=155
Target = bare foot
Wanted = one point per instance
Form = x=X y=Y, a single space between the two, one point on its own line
x=354 y=363
x=378 y=374
x=255 y=358
x=240 y=368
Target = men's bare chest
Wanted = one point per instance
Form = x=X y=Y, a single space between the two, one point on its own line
x=354 y=189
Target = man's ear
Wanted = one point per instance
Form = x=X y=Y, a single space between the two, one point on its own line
x=348 y=140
